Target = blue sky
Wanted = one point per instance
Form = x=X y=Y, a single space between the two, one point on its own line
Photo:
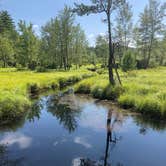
x=40 y=11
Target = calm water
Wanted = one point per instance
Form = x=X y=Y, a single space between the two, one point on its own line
x=76 y=130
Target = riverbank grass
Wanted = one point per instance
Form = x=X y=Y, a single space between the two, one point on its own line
x=16 y=87
x=143 y=91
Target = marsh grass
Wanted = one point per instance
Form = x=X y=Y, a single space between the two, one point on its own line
x=16 y=87
x=143 y=91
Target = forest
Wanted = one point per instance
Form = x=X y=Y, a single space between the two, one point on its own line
x=63 y=43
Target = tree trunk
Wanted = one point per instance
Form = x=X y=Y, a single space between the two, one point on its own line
x=111 y=54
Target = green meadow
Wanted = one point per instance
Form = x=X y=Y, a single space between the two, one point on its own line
x=142 y=91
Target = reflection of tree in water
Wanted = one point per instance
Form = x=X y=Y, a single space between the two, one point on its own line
x=146 y=123
x=14 y=126
x=5 y=160
x=111 y=141
x=35 y=111
x=66 y=115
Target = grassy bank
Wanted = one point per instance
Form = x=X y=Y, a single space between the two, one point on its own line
x=143 y=91
x=16 y=86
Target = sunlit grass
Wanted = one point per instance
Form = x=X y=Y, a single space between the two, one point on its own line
x=143 y=90
x=16 y=85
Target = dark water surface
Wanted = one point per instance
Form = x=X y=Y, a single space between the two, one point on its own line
x=77 y=130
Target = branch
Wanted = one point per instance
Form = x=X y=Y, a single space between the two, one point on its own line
x=82 y=9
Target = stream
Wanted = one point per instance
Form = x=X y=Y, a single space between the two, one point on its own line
x=77 y=130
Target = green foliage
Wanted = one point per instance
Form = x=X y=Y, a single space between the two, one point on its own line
x=28 y=46
x=12 y=107
x=102 y=50
x=6 y=23
x=63 y=42
x=41 y=69
x=128 y=61
x=6 y=51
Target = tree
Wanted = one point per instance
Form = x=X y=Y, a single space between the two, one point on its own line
x=128 y=61
x=66 y=18
x=6 y=23
x=123 y=28
x=102 y=49
x=6 y=50
x=80 y=44
x=28 y=46
x=63 y=42
x=150 y=28
x=51 y=45
x=107 y=7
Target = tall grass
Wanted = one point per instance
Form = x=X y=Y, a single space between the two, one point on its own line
x=143 y=91
x=15 y=87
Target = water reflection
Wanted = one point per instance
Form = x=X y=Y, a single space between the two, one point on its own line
x=66 y=115
x=113 y=120
x=146 y=123
x=21 y=140
x=95 y=128
x=4 y=157
x=35 y=111
x=111 y=139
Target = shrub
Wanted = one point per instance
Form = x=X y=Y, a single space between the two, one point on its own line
x=152 y=64
x=33 y=88
x=112 y=92
x=12 y=107
x=128 y=61
x=97 y=92
x=41 y=69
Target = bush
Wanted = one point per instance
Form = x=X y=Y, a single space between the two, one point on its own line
x=97 y=92
x=152 y=64
x=12 y=107
x=128 y=61
x=112 y=92
x=33 y=88
x=41 y=69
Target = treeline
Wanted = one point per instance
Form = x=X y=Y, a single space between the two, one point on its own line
x=136 y=46
x=63 y=43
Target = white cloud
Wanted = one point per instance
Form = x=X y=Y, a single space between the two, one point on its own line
x=35 y=26
x=36 y=29
x=82 y=141
x=91 y=36
x=18 y=138
x=102 y=34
